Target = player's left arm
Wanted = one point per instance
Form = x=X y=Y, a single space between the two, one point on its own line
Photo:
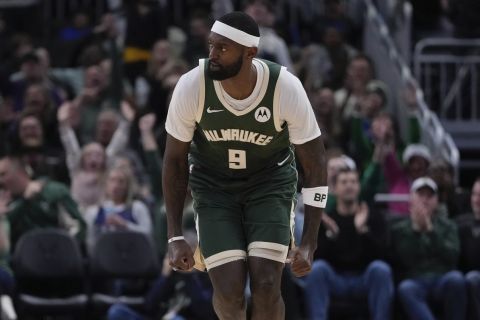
x=311 y=156
x=295 y=109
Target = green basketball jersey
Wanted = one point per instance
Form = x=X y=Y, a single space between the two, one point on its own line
x=236 y=143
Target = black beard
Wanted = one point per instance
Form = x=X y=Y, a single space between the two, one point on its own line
x=225 y=72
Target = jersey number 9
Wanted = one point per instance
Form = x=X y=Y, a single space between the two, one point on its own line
x=237 y=159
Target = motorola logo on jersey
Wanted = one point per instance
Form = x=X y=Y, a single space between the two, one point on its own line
x=262 y=114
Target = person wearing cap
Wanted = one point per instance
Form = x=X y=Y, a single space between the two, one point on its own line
x=422 y=153
x=426 y=249
x=243 y=115
x=416 y=160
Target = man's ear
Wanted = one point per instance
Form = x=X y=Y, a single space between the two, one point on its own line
x=252 y=52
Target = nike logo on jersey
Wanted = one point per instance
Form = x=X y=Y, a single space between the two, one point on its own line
x=283 y=161
x=210 y=110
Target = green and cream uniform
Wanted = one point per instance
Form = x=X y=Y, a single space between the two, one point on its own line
x=239 y=144
x=242 y=168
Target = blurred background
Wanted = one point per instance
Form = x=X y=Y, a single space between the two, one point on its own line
x=85 y=87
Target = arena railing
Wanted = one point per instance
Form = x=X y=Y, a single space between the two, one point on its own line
x=448 y=70
x=393 y=70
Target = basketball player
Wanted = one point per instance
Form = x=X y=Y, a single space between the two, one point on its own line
x=234 y=123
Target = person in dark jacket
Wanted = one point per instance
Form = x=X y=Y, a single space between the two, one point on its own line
x=348 y=263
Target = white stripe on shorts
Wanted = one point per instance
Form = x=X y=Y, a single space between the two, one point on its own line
x=268 y=250
x=224 y=257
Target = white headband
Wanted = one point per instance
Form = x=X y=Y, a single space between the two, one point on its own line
x=236 y=35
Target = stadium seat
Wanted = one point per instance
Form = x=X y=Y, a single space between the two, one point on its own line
x=343 y=309
x=50 y=274
x=122 y=266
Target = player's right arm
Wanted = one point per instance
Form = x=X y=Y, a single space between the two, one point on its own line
x=175 y=181
x=180 y=126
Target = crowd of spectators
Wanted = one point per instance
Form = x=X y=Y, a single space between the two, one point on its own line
x=82 y=135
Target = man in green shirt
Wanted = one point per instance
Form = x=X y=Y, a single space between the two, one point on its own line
x=35 y=204
x=427 y=247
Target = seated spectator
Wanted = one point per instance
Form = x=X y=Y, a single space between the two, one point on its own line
x=130 y=161
x=31 y=145
x=426 y=248
x=87 y=177
x=453 y=200
x=469 y=231
x=118 y=210
x=371 y=178
x=360 y=72
x=37 y=204
x=347 y=264
x=336 y=162
x=87 y=165
x=37 y=101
